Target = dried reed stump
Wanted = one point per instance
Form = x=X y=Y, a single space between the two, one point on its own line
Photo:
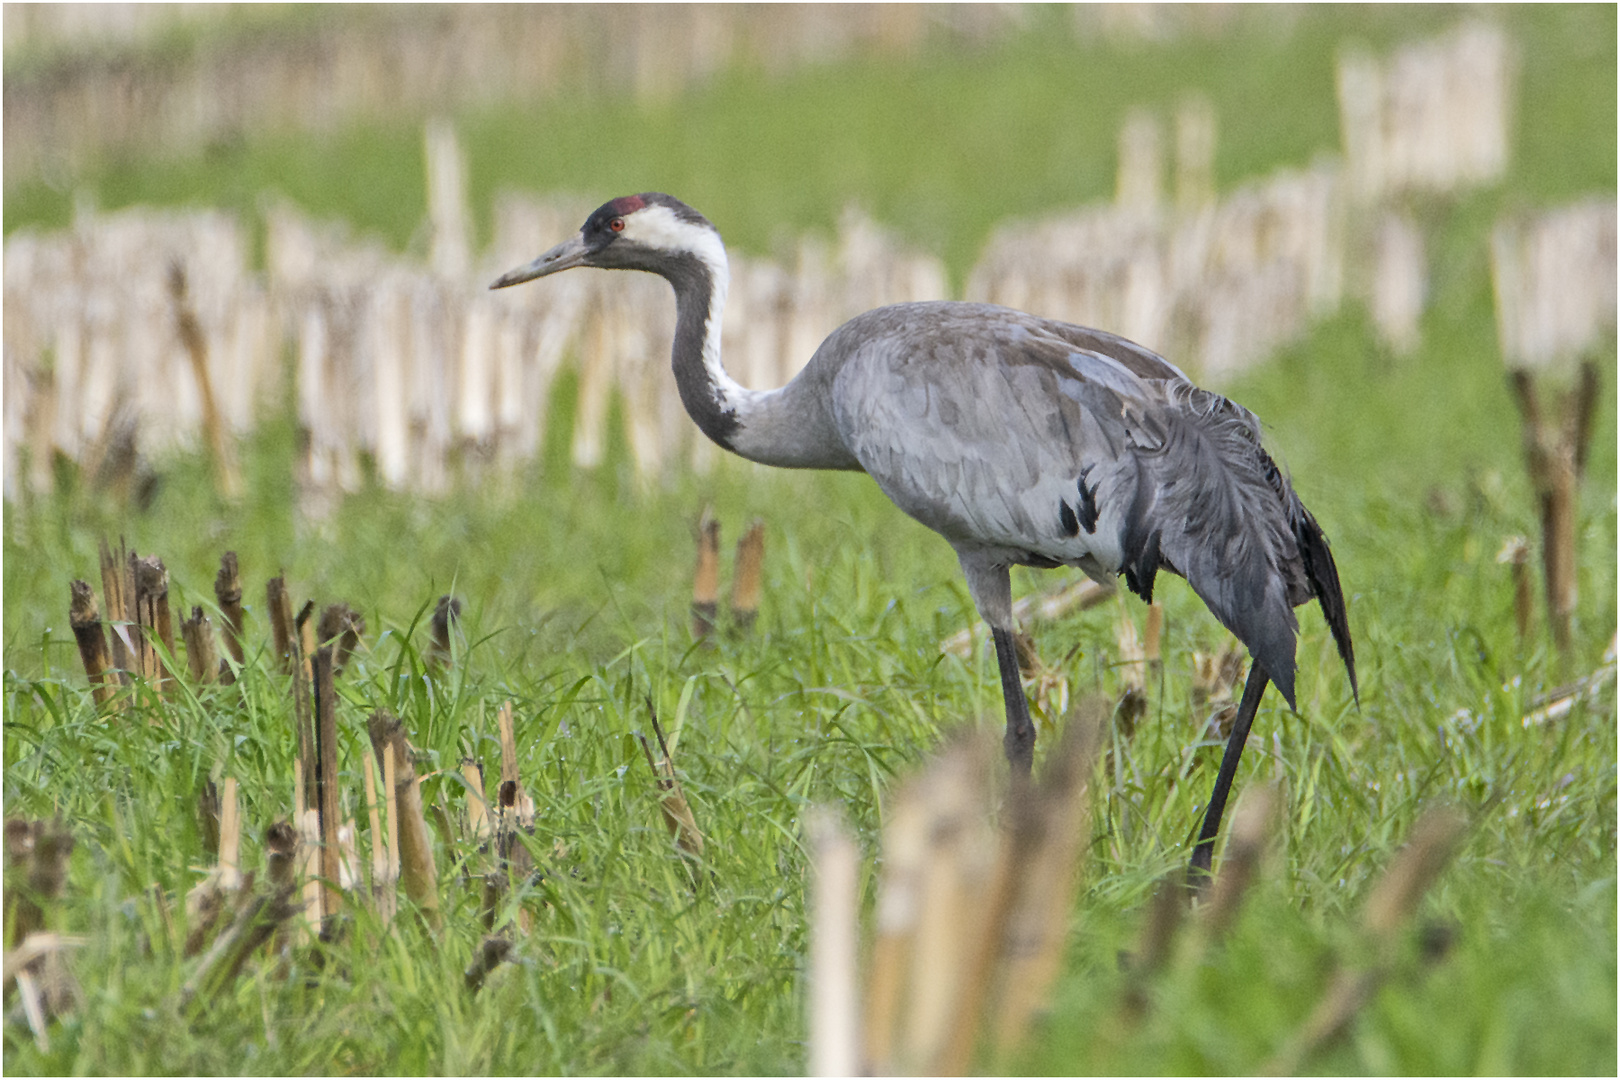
x=228 y=591
x=208 y=814
x=118 y=591
x=1555 y=452
x=86 y=623
x=445 y=617
x=417 y=870
x=340 y=627
x=326 y=787
x=706 y=580
x=279 y=605
x=747 y=577
x=1516 y=553
x=201 y=659
x=152 y=614
x=36 y=869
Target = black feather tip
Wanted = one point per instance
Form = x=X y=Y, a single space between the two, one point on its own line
x=1143 y=567
x=1324 y=578
x=1088 y=502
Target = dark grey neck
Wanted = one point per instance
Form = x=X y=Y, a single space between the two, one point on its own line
x=697 y=376
x=789 y=428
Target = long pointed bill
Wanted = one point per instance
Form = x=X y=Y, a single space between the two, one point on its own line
x=568 y=254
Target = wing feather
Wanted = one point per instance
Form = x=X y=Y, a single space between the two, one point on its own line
x=1217 y=521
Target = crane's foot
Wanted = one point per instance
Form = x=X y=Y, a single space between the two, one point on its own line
x=1198 y=871
x=1020 y=747
x=1019 y=742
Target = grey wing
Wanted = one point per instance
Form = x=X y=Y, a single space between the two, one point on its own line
x=971 y=429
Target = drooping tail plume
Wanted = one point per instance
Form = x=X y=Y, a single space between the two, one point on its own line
x=1324 y=577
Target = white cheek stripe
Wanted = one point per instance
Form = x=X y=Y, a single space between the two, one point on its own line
x=659 y=227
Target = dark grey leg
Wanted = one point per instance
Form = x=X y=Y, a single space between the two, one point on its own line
x=1019 y=741
x=1204 y=853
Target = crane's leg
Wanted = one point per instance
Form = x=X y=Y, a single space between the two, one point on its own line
x=1204 y=853
x=1019 y=742
x=991 y=588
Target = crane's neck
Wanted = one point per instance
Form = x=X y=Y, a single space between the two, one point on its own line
x=714 y=400
x=790 y=427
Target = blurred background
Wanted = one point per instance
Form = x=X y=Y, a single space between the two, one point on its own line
x=246 y=259
x=216 y=214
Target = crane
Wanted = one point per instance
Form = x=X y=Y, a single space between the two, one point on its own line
x=1022 y=441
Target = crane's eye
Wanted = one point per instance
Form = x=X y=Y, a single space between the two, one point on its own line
x=617 y=224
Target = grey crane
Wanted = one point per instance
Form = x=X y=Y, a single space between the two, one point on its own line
x=1021 y=440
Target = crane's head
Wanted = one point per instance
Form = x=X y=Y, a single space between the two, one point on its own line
x=652 y=232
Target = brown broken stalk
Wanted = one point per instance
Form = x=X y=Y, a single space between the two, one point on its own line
x=489 y=955
x=478 y=827
x=307 y=820
x=118 y=590
x=1132 y=667
x=417 y=870
x=215 y=894
x=36 y=869
x=290 y=648
x=513 y=812
x=390 y=896
x=445 y=617
x=706 y=579
x=326 y=788
x=672 y=802
x=955 y=892
x=972 y=919
x=152 y=613
x=281 y=856
x=279 y=604
x=906 y=827
x=259 y=917
x=228 y=591
x=514 y=802
x=1516 y=553
x=341 y=627
x=747 y=576
x=1152 y=639
x=201 y=659
x=1555 y=454
x=86 y=623
x=208 y=817
x=379 y=839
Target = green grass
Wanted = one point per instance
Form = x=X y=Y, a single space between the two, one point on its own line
x=576 y=587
